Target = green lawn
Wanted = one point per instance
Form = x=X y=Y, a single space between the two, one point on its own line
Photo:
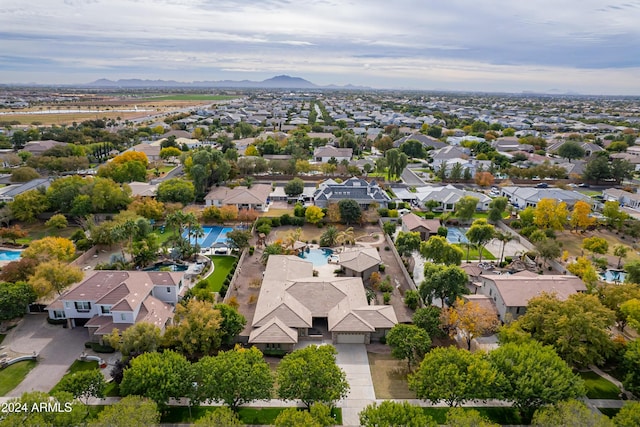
x=222 y=267
x=163 y=237
x=2 y=337
x=38 y=231
x=499 y=415
x=76 y=366
x=254 y=416
x=598 y=387
x=13 y=375
x=112 y=389
x=474 y=253
x=609 y=412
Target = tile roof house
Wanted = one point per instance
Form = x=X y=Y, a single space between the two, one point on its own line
x=426 y=227
x=326 y=153
x=425 y=140
x=448 y=196
x=293 y=304
x=143 y=189
x=511 y=293
x=152 y=151
x=363 y=192
x=523 y=197
x=37 y=148
x=447 y=153
x=118 y=299
x=624 y=198
x=359 y=262
x=256 y=197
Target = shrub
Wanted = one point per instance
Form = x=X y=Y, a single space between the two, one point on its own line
x=429 y=215
x=285 y=219
x=393 y=213
x=386 y=285
x=382 y=267
x=383 y=212
x=527 y=231
x=508 y=259
x=98 y=348
x=275 y=222
x=77 y=235
x=88 y=344
x=252 y=299
x=550 y=233
x=386 y=297
x=392 y=205
x=56 y=321
x=314 y=241
x=223 y=290
x=252 y=249
x=263 y=220
x=516 y=223
x=412 y=299
x=83 y=244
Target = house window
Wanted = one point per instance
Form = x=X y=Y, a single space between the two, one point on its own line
x=518 y=310
x=83 y=306
x=168 y=288
x=105 y=309
x=58 y=314
x=123 y=316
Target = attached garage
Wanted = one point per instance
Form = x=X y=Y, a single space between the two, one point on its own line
x=344 y=338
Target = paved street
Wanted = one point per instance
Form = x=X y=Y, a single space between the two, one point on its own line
x=57 y=349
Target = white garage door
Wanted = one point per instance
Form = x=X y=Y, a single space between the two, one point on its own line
x=351 y=338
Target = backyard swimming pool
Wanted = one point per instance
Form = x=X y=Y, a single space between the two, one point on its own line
x=613 y=276
x=317 y=256
x=6 y=255
x=212 y=234
x=457 y=235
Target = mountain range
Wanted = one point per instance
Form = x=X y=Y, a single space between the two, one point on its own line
x=277 y=82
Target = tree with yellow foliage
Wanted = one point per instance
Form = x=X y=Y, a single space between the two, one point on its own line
x=48 y=248
x=131 y=156
x=197 y=328
x=584 y=269
x=53 y=276
x=333 y=213
x=314 y=214
x=251 y=150
x=551 y=214
x=469 y=319
x=580 y=218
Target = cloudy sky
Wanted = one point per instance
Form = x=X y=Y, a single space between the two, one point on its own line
x=585 y=46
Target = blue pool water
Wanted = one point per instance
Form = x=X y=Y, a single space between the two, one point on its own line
x=317 y=256
x=172 y=267
x=456 y=235
x=9 y=255
x=212 y=234
x=613 y=276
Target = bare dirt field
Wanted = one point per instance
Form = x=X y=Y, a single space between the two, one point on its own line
x=572 y=242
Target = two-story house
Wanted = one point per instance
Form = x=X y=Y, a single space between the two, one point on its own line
x=107 y=300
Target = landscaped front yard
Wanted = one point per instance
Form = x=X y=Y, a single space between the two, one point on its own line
x=13 y=375
x=389 y=377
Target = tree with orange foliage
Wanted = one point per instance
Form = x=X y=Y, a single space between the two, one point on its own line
x=469 y=319
x=248 y=215
x=580 y=216
x=484 y=179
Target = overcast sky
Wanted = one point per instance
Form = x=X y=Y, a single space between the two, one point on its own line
x=585 y=46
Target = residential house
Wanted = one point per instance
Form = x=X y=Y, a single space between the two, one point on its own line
x=510 y=143
x=278 y=193
x=363 y=192
x=255 y=197
x=107 y=300
x=143 y=189
x=152 y=150
x=588 y=147
x=426 y=141
x=447 y=153
x=8 y=193
x=328 y=152
x=415 y=224
x=293 y=305
x=359 y=262
x=523 y=197
x=512 y=292
x=447 y=196
x=624 y=198
x=37 y=148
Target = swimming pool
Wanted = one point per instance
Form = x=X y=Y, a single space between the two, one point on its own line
x=212 y=234
x=456 y=235
x=317 y=256
x=6 y=255
x=613 y=276
x=167 y=267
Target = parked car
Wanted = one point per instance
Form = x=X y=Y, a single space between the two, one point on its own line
x=542 y=185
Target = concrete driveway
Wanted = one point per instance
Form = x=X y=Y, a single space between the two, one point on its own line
x=57 y=349
x=352 y=358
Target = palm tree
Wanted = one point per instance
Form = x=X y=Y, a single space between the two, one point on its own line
x=198 y=232
x=329 y=237
x=292 y=237
x=504 y=238
x=345 y=236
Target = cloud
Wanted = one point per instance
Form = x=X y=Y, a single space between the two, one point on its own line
x=400 y=44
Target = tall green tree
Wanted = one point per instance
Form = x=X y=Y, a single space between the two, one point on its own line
x=571 y=150
x=130 y=411
x=28 y=205
x=142 y=337
x=571 y=413
x=176 y=190
x=72 y=413
x=293 y=188
x=454 y=376
x=440 y=251
x=577 y=328
x=197 y=328
x=428 y=319
x=613 y=296
x=84 y=385
x=446 y=282
x=535 y=376
x=480 y=233
x=407 y=243
x=350 y=211
x=496 y=209
x=408 y=342
x=234 y=377
x=466 y=207
x=232 y=323
x=393 y=414
x=311 y=375
x=158 y=376
x=15 y=299
x=629 y=415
